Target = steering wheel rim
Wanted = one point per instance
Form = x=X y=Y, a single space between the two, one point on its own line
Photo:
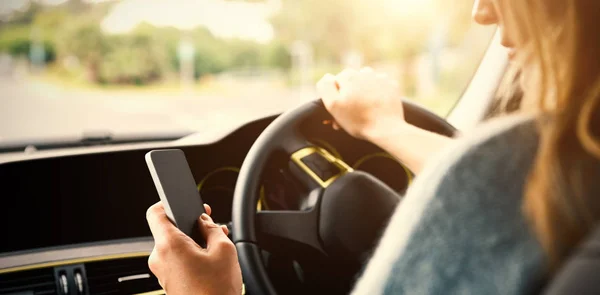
x=282 y=134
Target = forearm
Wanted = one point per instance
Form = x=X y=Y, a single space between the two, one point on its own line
x=411 y=145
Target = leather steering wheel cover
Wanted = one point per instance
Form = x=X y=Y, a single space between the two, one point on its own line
x=425 y=119
x=245 y=196
x=281 y=132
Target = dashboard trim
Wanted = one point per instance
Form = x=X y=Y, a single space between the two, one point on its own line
x=307 y=151
x=75 y=255
x=206 y=137
x=261 y=202
x=328 y=146
x=365 y=158
x=218 y=170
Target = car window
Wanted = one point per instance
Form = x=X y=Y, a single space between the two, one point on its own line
x=151 y=66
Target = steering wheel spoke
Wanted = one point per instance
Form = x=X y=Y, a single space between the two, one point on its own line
x=289 y=231
x=337 y=196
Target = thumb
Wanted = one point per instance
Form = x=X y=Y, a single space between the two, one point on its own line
x=328 y=90
x=213 y=234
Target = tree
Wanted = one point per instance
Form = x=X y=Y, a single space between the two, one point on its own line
x=326 y=25
x=13 y=34
x=379 y=29
x=382 y=30
x=134 y=58
x=84 y=39
x=276 y=55
x=26 y=16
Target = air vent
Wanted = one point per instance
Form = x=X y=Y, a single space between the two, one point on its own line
x=38 y=281
x=121 y=276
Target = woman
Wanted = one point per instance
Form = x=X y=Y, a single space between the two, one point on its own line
x=497 y=212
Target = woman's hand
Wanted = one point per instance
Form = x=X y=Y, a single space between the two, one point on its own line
x=363 y=103
x=183 y=267
x=368 y=106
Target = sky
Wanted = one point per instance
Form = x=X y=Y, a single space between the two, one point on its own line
x=224 y=18
x=7 y=6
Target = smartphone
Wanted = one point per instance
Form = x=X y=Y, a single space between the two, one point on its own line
x=177 y=190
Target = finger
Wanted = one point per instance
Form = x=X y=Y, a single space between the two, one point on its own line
x=160 y=225
x=345 y=78
x=225 y=229
x=207 y=209
x=327 y=90
x=213 y=234
x=154 y=264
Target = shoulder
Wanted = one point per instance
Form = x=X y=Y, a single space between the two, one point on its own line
x=502 y=143
x=460 y=229
x=495 y=158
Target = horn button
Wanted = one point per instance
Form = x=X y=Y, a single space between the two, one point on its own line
x=355 y=209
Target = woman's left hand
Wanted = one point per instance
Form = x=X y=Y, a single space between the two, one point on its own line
x=183 y=267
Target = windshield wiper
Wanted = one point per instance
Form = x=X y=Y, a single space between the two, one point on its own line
x=88 y=139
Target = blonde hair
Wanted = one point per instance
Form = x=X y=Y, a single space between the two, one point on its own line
x=562 y=60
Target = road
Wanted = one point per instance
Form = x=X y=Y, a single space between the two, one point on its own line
x=33 y=111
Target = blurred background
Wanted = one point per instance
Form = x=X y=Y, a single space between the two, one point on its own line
x=160 y=66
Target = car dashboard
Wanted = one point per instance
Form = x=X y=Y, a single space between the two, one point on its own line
x=75 y=223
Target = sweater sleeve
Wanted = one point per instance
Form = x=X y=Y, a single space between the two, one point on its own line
x=460 y=228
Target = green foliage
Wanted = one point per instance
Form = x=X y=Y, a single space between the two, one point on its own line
x=214 y=55
x=19 y=47
x=208 y=61
x=379 y=29
x=132 y=59
x=245 y=54
x=327 y=25
x=16 y=41
x=27 y=16
x=278 y=56
x=23 y=48
x=211 y=54
x=49 y=21
x=84 y=40
x=125 y=65
x=13 y=34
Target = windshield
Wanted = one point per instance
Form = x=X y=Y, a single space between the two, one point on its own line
x=159 y=67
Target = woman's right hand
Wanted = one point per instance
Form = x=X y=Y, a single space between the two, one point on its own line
x=183 y=267
x=364 y=103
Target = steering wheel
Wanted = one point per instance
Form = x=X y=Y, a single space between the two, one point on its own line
x=349 y=209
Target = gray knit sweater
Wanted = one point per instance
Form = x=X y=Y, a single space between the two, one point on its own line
x=460 y=228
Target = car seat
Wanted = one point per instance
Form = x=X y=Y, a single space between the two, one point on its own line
x=581 y=274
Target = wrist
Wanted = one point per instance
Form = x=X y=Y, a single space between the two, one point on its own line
x=386 y=128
